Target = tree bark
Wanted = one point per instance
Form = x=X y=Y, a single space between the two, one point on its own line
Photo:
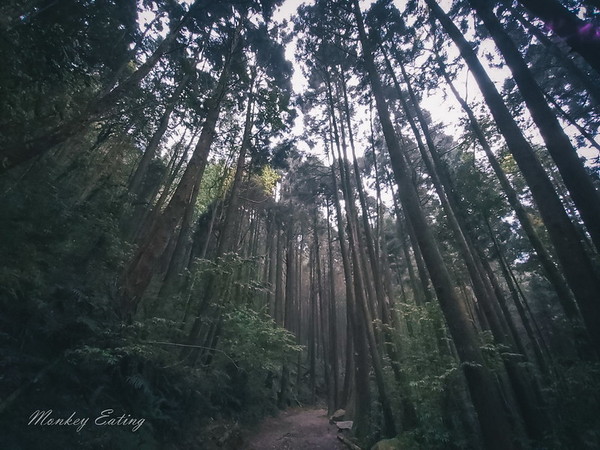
x=360 y=360
x=551 y=271
x=576 y=178
x=493 y=422
x=580 y=35
x=575 y=263
x=138 y=274
x=150 y=151
x=14 y=155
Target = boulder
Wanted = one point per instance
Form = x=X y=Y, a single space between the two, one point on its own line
x=388 y=444
x=338 y=415
x=344 y=425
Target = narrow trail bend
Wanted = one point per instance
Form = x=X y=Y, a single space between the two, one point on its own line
x=295 y=429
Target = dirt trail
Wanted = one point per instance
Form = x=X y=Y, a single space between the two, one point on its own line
x=295 y=429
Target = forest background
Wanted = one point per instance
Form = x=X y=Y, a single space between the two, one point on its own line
x=211 y=213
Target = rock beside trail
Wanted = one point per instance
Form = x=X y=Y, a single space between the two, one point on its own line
x=388 y=444
x=338 y=415
x=344 y=425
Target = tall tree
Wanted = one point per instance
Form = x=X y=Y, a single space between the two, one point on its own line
x=579 y=34
x=138 y=274
x=494 y=423
x=576 y=178
x=574 y=260
x=552 y=272
x=15 y=153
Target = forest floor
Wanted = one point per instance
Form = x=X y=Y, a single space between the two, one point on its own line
x=295 y=429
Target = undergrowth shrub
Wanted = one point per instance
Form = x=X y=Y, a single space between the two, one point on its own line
x=63 y=347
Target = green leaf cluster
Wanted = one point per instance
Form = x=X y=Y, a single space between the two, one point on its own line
x=254 y=342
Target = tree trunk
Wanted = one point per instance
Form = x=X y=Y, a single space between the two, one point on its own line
x=18 y=154
x=333 y=339
x=576 y=178
x=409 y=417
x=418 y=256
x=323 y=312
x=490 y=302
x=580 y=35
x=552 y=273
x=290 y=298
x=539 y=356
x=312 y=320
x=360 y=361
x=494 y=424
x=138 y=274
x=279 y=293
x=575 y=263
x=150 y=151
x=359 y=279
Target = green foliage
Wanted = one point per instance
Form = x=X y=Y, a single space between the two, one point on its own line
x=269 y=179
x=492 y=351
x=58 y=281
x=215 y=183
x=254 y=342
x=54 y=55
x=430 y=376
x=575 y=399
x=63 y=252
